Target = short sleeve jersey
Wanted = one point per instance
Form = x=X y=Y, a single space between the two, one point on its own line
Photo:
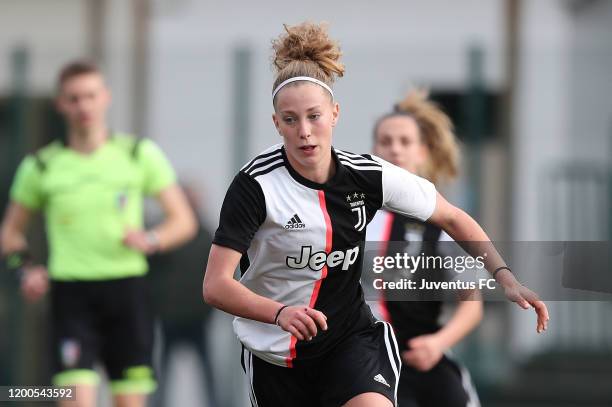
x=89 y=201
x=302 y=242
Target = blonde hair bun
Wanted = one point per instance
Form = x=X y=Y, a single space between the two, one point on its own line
x=306 y=50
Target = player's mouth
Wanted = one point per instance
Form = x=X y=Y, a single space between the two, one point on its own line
x=85 y=118
x=308 y=149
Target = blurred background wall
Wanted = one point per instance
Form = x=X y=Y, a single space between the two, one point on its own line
x=528 y=84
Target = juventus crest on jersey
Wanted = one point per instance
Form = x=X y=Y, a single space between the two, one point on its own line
x=302 y=242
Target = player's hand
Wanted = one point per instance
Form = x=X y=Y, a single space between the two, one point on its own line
x=423 y=353
x=525 y=298
x=34 y=283
x=139 y=240
x=302 y=321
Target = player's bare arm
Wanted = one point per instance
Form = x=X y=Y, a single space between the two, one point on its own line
x=222 y=291
x=463 y=228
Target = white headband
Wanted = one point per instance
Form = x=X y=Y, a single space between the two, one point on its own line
x=302 y=78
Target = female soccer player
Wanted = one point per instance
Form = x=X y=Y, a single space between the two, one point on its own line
x=294 y=218
x=418 y=137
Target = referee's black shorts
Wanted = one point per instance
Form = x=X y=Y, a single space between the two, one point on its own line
x=108 y=321
x=366 y=361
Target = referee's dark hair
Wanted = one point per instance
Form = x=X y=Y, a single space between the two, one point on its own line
x=76 y=68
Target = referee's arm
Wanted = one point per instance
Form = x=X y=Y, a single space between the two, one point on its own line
x=179 y=224
x=35 y=281
x=13 y=230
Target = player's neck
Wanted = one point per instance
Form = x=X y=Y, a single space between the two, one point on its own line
x=86 y=141
x=320 y=174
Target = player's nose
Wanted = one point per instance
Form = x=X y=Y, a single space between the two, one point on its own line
x=303 y=129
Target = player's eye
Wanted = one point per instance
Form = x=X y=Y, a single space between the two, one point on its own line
x=289 y=119
x=314 y=116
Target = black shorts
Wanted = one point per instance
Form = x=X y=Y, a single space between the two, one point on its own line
x=367 y=361
x=447 y=384
x=108 y=321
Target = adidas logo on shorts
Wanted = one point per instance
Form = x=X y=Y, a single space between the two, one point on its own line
x=380 y=379
x=295 y=223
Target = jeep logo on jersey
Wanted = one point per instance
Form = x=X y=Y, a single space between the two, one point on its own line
x=317 y=260
x=357 y=205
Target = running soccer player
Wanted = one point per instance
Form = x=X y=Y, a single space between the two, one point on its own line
x=91 y=190
x=418 y=137
x=294 y=218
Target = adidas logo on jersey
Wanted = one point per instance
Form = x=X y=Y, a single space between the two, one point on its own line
x=380 y=379
x=295 y=223
x=316 y=261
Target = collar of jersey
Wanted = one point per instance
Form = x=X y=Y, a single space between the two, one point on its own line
x=311 y=184
x=63 y=143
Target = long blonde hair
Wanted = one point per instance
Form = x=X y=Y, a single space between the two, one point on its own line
x=436 y=132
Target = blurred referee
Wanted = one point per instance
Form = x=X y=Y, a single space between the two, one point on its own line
x=91 y=189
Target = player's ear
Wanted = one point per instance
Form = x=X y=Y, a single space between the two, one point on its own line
x=105 y=92
x=276 y=123
x=335 y=114
x=423 y=153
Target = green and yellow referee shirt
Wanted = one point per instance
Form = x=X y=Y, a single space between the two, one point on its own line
x=89 y=202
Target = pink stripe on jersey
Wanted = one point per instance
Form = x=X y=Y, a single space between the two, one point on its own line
x=384 y=244
x=317 y=287
x=386 y=233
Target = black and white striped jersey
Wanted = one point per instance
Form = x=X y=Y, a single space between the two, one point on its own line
x=410 y=318
x=302 y=242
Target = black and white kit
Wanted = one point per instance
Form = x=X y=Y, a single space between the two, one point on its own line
x=302 y=244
